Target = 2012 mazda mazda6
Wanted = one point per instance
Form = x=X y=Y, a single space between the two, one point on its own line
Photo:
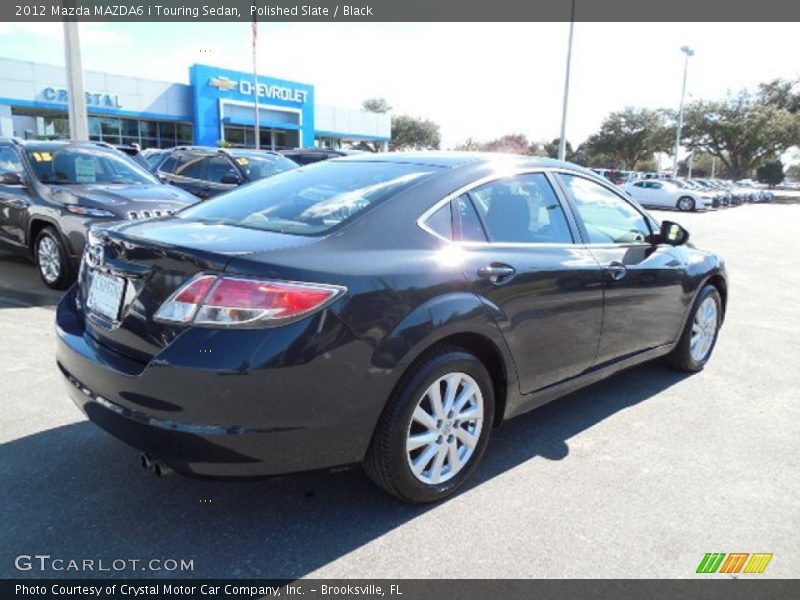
x=387 y=309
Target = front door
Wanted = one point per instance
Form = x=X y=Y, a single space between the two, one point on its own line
x=14 y=199
x=644 y=303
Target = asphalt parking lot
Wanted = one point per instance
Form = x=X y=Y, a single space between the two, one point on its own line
x=638 y=476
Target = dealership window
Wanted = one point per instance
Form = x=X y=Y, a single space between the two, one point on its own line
x=148 y=134
x=242 y=136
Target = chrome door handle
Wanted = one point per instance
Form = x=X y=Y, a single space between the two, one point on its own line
x=615 y=271
x=496 y=273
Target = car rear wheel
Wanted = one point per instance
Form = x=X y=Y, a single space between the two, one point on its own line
x=700 y=334
x=685 y=203
x=51 y=258
x=435 y=428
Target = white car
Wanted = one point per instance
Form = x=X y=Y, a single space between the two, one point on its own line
x=662 y=193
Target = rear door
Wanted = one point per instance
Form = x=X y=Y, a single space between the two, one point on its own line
x=644 y=301
x=542 y=287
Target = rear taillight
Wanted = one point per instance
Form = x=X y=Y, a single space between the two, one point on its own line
x=231 y=301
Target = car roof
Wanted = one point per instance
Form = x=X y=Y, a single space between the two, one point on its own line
x=51 y=145
x=455 y=159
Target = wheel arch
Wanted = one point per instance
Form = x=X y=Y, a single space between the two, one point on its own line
x=35 y=226
x=719 y=282
x=458 y=320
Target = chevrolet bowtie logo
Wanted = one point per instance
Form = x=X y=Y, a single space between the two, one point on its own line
x=222 y=83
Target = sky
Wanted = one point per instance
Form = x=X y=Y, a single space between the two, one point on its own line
x=476 y=80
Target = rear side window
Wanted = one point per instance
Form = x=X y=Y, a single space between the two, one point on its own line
x=169 y=164
x=192 y=166
x=310 y=201
x=522 y=209
x=468 y=226
x=441 y=222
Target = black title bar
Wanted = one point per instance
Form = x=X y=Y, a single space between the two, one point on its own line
x=399 y=10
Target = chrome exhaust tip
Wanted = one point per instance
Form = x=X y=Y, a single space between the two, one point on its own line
x=161 y=470
x=146 y=461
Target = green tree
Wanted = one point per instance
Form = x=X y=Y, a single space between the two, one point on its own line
x=551 y=149
x=630 y=136
x=376 y=105
x=701 y=166
x=411 y=133
x=511 y=143
x=793 y=172
x=741 y=130
x=770 y=172
x=783 y=93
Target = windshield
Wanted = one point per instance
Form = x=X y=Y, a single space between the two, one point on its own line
x=85 y=164
x=310 y=200
x=257 y=165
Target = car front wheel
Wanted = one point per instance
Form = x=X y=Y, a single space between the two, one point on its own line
x=685 y=203
x=51 y=259
x=434 y=429
x=700 y=333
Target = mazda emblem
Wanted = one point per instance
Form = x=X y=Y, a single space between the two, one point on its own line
x=95 y=256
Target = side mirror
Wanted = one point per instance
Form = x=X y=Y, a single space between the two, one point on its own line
x=11 y=179
x=673 y=234
x=230 y=179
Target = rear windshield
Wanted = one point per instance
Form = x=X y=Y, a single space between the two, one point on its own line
x=310 y=200
x=259 y=165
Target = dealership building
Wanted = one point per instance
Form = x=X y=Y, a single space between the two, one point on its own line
x=217 y=104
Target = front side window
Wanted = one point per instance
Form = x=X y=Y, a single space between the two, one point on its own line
x=310 y=201
x=84 y=165
x=608 y=218
x=220 y=168
x=522 y=209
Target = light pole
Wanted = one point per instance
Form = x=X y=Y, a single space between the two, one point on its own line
x=562 y=141
x=78 y=119
x=688 y=52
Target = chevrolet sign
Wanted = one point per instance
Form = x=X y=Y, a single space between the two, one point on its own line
x=272 y=92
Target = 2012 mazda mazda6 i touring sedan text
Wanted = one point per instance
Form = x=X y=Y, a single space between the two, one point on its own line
x=388 y=309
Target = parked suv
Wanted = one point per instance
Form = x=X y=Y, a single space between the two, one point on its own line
x=50 y=192
x=206 y=172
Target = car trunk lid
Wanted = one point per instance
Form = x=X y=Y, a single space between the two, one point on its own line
x=140 y=265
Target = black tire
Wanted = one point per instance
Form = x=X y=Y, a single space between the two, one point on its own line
x=48 y=240
x=681 y=357
x=387 y=462
x=685 y=204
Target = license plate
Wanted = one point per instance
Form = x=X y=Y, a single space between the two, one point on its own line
x=105 y=295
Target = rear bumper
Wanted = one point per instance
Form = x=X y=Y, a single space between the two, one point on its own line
x=304 y=414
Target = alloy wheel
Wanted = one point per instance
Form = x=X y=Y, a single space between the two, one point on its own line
x=704 y=329
x=49 y=259
x=445 y=428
